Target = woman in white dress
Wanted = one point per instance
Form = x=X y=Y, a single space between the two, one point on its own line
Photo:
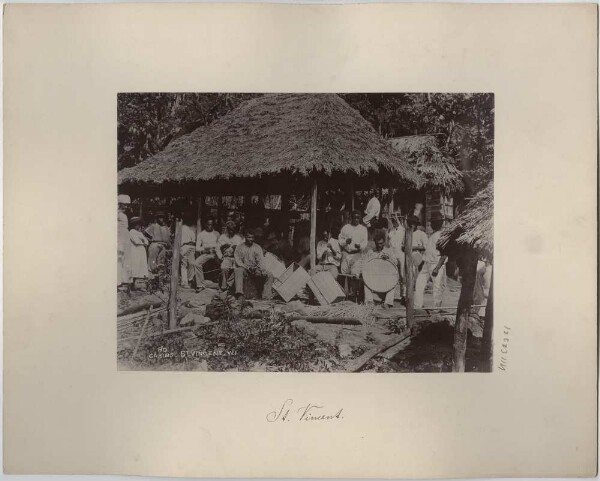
x=123 y=243
x=139 y=258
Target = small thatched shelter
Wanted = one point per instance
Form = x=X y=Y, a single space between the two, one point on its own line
x=474 y=227
x=441 y=177
x=468 y=237
x=423 y=153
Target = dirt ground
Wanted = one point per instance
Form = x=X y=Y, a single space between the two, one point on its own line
x=275 y=342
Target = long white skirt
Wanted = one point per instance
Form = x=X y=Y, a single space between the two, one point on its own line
x=139 y=261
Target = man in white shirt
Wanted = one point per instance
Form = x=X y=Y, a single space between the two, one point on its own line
x=226 y=245
x=353 y=240
x=329 y=254
x=433 y=268
x=373 y=208
x=396 y=234
x=187 y=250
x=206 y=247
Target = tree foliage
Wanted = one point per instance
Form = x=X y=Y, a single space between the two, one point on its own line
x=464 y=123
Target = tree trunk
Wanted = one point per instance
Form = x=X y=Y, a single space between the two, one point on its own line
x=487 y=344
x=409 y=277
x=313 y=225
x=468 y=271
x=175 y=276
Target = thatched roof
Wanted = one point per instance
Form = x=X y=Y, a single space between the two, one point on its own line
x=422 y=151
x=293 y=133
x=474 y=226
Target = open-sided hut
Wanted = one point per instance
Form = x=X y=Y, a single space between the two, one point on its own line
x=441 y=178
x=274 y=144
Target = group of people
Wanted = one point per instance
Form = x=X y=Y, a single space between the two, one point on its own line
x=358 y=244
x=238 y=256
x=139 y=252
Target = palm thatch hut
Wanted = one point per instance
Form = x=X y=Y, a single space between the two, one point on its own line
x=274 y=144
x=267 y=139
x=474 y=227
x=441 y=177
x=468 y=237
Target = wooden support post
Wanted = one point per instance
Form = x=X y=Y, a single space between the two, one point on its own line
x=219 y=213
x=175 y=275
x=351 y=194
x=285 y=215
x=141 y=209
x=313 y=225
x=409 y=276
x=468 y=272
x=200 y=207
x=487 y=344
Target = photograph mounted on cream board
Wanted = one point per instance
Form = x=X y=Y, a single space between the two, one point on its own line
x=302 y=193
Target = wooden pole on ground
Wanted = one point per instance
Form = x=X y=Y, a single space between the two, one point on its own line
x=487 y=349
x=409 y=276
x=468 y=272
x=313 y=225
x=175 y=275
x=143 y=331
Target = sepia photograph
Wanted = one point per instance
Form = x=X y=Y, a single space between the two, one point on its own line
x=347 y=232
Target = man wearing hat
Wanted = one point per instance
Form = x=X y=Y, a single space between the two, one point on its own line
x=160 y=239
x=123 y=242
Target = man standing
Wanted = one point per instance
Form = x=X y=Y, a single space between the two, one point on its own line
x=353 y=240
x=381 y=252
x=249 y=261
x=160 y=239
x=206 y=246
x=123 y=242
x=226 y=246
x=188 y=248
x=433 y=268
x=373 y=208
x=396 y=233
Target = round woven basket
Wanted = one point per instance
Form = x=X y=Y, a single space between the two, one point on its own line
x=380 y=275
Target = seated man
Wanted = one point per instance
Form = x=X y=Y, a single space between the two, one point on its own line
x=380 y=252
x=206 y=246
x=329 y=254
x=249 y=261
x=225 y=250
x=160 y=240
x=352 y=240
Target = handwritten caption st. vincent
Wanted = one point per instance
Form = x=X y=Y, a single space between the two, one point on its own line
x=288 y=412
